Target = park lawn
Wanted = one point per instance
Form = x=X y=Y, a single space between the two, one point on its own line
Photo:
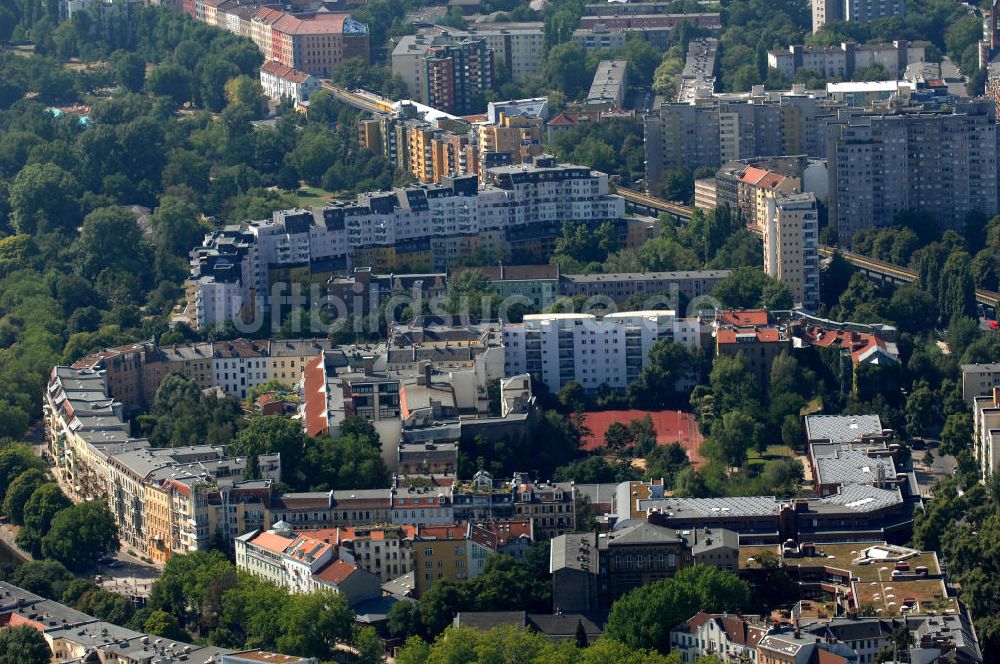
x=309 y=196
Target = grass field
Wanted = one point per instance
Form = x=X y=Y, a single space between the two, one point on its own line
x=309 y=196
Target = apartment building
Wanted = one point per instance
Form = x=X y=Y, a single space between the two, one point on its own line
x=609 y=86
x=551 y=507
x=942 y=163
x=240 y=365
x=519 y=46
x=448 y=72
x=752 y=334
x=301 y=563
x=331 y=509
x=317 y=43
x=754 y=187
x=734 y=637
x=385 y=551
x=85 y=425
x=591 y=570
x=281 y=82
x=538 y=285
x=592 y=351
x=791 y=241
x=457 y=75
x=986 y=432
x=620 y=287
x=518 y=137
x=844 y=60
x=72 y=636
x=718 y=129
x=446 y=553
x=517 y=208
x=861 y=11
x=653 y=27
x=162 y=498
x=979 y=380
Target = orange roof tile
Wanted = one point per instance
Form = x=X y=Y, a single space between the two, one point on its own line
x=336 y=572
x=752 y=175
x=271 y=542
x=741 y=317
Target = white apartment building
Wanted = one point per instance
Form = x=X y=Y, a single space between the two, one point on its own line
x=520 y=47
x=986 y=432
x=519 y=205
x=282 y=82
x=844 y=60
x=791 y=237
x=239 y=365
x=979 y=380
x=593 y=351
x=730 y=638
x=302 y=564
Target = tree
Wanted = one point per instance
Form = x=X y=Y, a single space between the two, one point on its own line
x=404 y=619
x=747 y=288
x=162 y=624
x=248 y=611
x=956 y=434
x=564 y=69
x=618 y=437
x=106 y=605
x=248 y=93
x=733 y=435
x=129 y=69
x=43 y=505
x=581 y=635
x=19 y=491
x=171 y=81
x=177 y=225
x=23 y=645
x=48 y=578
x=313 y=624
x=44 y=197
x=15 y=460
x=644 y=617
x=368 y=645
x=345 y=462
x=660 y=384
x=922 y=410
x=111 y=239
x=80 y=534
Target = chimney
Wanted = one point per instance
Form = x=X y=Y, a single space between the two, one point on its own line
x=428 y=372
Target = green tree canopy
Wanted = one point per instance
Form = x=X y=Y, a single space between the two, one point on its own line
x=644 y=617
x=80 y=534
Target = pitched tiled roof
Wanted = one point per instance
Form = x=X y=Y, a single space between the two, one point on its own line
x=336 y=572
x=275 y=68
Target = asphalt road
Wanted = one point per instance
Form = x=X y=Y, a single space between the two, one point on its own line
x=942 y=467
x=955 y=80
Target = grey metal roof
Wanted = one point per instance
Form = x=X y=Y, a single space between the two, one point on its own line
x=714 y=507
x=579 y=551
x=842 y=428
x=981 y=368
x=861 y=498
x=643 y=533
x=852 y=467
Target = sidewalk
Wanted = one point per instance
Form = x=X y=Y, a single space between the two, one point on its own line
x=7 y=535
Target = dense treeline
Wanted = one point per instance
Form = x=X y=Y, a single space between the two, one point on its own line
x=80 y=267
x=713 y=240
x=50 y=526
